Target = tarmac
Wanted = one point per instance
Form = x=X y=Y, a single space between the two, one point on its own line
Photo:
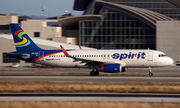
x=91 y=97
x=170 y=70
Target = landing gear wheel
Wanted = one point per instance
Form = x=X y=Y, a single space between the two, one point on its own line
x=97 y=73
x=94 y=73
x=150 y=74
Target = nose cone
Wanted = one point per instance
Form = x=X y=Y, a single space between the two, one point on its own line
x=170 y=61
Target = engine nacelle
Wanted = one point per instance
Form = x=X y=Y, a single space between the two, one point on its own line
x=111 y=68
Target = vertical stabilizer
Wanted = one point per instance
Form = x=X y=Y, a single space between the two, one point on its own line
x=21 y=40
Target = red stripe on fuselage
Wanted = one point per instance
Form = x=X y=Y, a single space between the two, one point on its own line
x=33 y=60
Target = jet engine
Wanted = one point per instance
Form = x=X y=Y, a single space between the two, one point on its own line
x=112 y=68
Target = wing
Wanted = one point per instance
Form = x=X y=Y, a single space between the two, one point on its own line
x=90 y=62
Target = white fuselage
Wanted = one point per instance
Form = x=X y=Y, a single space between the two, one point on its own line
x=127 y=58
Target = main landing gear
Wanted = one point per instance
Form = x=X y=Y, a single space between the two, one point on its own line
x=94 y=73
x=150 y=73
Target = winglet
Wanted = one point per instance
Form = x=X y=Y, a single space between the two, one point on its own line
x=80 y=47
x=64 y=51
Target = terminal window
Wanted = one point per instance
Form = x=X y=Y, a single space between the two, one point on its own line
x=7 y=59
x=36 y=34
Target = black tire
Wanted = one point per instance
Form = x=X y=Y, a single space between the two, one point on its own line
x=97 y=73
x=92 y=73
x=150 y=74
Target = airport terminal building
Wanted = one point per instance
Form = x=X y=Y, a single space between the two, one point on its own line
x=128 y=24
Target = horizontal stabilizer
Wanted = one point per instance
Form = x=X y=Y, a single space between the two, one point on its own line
x=23 y=55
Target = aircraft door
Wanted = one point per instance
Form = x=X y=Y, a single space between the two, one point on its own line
x=150 y=56
x=41 y=53
x=41 y=58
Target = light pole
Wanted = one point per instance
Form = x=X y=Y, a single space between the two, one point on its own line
x=43 y=10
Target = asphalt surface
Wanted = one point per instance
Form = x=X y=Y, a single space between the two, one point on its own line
x=90 y=97
x=170 y=70
x=103 y=79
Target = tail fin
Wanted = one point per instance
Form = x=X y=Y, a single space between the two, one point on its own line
x=22 y=40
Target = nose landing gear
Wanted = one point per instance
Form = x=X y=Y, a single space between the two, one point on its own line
x=150 y=73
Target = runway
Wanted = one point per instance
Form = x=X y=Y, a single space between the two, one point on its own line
x=170 y=70
x=103 y=79
x=91 y=97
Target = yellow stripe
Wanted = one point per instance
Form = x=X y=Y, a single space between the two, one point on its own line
x=22 y=42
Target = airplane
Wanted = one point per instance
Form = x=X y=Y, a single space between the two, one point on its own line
x=108 y=61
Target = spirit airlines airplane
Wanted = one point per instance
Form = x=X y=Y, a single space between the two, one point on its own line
x=109 y=61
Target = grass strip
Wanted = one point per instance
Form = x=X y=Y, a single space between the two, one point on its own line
x=85 y=87
x=86 y=105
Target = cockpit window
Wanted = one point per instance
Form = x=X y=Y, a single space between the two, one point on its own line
x=162 y=55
